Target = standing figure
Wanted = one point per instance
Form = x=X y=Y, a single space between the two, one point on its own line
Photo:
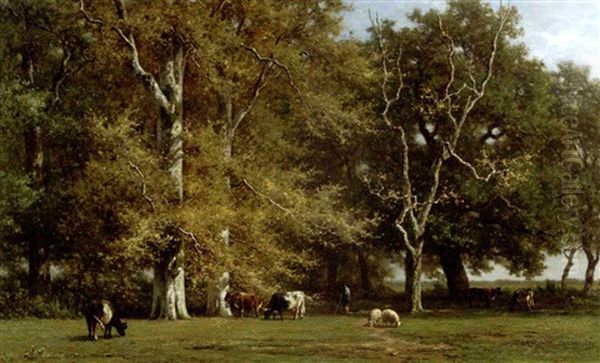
x=344 y=300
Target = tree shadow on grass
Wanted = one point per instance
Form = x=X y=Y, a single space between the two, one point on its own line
x=79 y=338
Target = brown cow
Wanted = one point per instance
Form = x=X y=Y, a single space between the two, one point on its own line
x=244 y=303
x=485 y=296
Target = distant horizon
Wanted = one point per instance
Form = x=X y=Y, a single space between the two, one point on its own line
x=553 y=271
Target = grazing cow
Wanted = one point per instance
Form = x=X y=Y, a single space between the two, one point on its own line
x=522 y=299
x=243 y=302
x=101 y=313
x=282 y=301
x=486 y=296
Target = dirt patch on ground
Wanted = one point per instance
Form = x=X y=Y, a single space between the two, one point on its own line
x=409 y=350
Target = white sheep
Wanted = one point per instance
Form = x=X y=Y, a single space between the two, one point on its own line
x=374 y=317
x=389 y=316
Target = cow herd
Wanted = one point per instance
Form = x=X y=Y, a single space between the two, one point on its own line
x=243 y=304
x=248 y=304
x=522 y=299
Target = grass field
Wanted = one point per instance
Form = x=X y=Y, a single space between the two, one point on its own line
x=474 y=336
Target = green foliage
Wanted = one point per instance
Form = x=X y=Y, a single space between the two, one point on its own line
x=292 y=192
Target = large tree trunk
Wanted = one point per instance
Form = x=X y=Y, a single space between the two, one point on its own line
x=570 y=255
x=457 y=279
x=365 y=280
x=592 y=258
x=412 y=266
x=168 y=301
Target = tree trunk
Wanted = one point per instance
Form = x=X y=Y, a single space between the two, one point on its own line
x=365 y=280
x=38 y=276
x=168 y=300
x=570 y=255
x=412 y=265
x=457 y=279
x=34 y=163
x=217 y=290
x=332 y=274
x=592 y=259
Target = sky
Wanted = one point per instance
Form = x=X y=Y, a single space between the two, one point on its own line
x=554 y=31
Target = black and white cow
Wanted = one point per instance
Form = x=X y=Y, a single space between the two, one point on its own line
x=282 y=301
x=101 y=313
x=522 y=299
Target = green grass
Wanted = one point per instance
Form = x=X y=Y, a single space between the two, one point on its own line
x=469 y=336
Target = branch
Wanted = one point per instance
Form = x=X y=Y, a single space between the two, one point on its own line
x=147 y=78
x=503 y=18
x=258 y=86
x=269 y=199
x=447 y=94
x=386 y=74
x=196 y=244
x=87 y=17
x=470 y=166
x=279 y=65
x=404 y=234
x=509 y=204
x=144 y=192
x=60 y=76
x=569 y=252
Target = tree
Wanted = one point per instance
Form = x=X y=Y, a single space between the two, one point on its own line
x=511 y=219
x=232 y=64
x=577 y=105
x=446 y=108
x=50 y=50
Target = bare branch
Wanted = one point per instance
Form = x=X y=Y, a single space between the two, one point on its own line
x=470 y=166
x=389 y=101
x=509 y=204
x=504 y=15
x=279 y=65
x=258 y=86
x=263 y=196
x=147 y=79
x=408 y=199
x=87 y=17
x=196 y=243
x=404 y=234
x=144 y=191
x=450 y=56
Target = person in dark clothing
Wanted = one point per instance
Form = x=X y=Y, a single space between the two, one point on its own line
x=344 y=300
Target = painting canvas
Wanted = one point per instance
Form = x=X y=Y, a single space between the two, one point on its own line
x=299 y=180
